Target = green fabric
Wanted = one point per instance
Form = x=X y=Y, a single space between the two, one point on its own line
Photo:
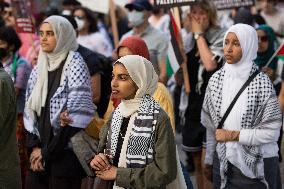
x=263 y=58
x=281 y=57
x=170 y=71
x=9 y=158
x=156 y=174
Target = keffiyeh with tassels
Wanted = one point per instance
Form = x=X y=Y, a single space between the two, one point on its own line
x=257 y=107
x=263 y=109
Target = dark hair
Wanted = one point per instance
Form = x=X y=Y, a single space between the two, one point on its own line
x=3 y=5
x=71 y=20
x=8 y=34
x=71 y=2
x=91 y=18
x=51 y=10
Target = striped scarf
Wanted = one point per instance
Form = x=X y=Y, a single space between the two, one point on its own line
x=141 y=141
x=262 y=109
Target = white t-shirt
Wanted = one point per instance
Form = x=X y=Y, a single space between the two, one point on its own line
x=96 y=42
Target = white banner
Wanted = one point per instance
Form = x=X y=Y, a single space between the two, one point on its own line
x=121 y=2
x=101 y=6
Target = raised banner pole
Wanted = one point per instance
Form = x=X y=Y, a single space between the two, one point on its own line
x=113 y=23
x=176 y=15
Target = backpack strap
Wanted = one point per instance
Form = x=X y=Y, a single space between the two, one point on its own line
x=236 y=98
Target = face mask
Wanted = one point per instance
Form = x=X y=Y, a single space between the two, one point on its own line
x=80 y=23
x=135 y=18
x=3 y=53
x=66 y=12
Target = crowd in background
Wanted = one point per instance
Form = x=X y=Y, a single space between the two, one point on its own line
x=71 y=82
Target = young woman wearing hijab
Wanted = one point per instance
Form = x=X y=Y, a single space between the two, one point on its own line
x=123 y=159
x=60 y=81
x=244 y=153
x=267 y=45
x=134 y=45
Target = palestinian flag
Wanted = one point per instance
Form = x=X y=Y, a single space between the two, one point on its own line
x=280 y=52
x=174 y=58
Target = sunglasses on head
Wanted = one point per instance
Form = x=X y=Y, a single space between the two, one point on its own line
x=262 y=38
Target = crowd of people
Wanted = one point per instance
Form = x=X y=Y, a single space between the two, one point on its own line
x=78 y=112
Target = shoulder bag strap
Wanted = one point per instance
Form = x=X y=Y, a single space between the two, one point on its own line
x=236 y=98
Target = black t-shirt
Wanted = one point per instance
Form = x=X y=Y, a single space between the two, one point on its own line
x=197 y=93
x=59 y=159
x=99 y=64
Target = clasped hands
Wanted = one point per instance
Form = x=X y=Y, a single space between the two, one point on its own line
x=223 y=135
x=36 y=160
x=103 y=168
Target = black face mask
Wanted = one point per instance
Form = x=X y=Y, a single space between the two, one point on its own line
x=3 y=53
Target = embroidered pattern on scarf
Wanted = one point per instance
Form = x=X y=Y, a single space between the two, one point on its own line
x=261 y=110
x=141 y=142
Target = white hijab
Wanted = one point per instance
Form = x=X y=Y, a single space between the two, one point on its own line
x=65 y=41
x=247 y=37
x=237 y=74
x=144 y=76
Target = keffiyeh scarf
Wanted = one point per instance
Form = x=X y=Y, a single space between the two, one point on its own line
x=261 y=111
x=141 y=141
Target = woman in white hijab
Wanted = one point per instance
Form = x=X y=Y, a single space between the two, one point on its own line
x=246 y=146
x=136 y=148
x=60 y=81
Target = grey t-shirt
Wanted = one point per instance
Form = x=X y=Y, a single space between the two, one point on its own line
x=157 y=43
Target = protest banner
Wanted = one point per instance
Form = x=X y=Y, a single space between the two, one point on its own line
x=220 y=4
x=228 y=4
x=23 y=17
x=172 y=3
x=101 y=6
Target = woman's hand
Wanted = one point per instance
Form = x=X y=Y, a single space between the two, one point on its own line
x=36 y=160
x=100 y=162
x=270 y=72
x=64 y=119
x=109 y=174
x=223 y=135
x=208 y=172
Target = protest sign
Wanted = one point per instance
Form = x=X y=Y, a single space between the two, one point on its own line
x=228 y=4
x=101 y=6
x=172 y=3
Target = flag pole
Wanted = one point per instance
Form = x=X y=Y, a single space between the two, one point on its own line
x=113 y=23
x=273 y=56
x=176 y=14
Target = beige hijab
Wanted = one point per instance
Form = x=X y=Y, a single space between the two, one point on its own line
x=65 y=41
x=144 y=76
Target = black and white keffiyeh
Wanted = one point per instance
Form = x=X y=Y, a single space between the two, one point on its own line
x=141 y=141
x=262 y=108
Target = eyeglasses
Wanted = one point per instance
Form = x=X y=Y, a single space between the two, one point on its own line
x=262 y=38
